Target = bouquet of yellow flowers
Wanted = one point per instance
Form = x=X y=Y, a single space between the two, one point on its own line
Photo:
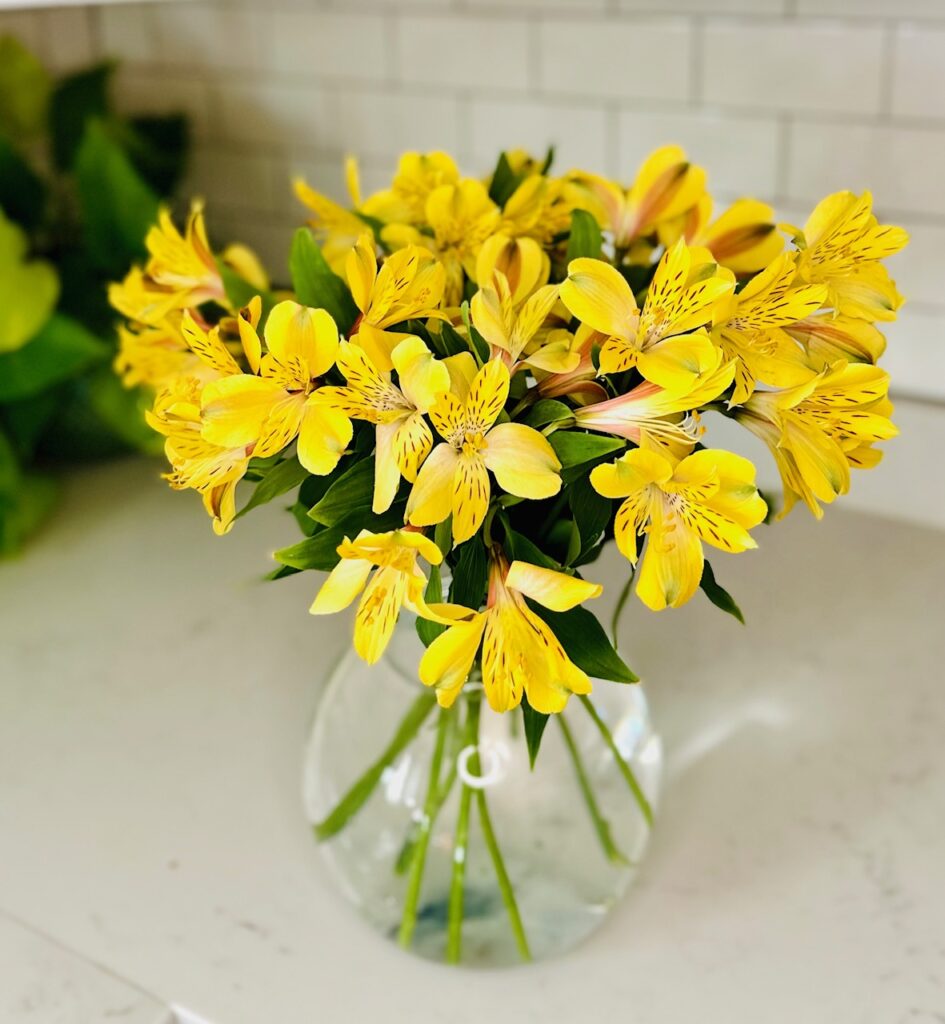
x=474 y=385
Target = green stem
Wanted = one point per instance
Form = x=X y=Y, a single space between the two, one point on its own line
x=362 y=789
x=619 y=607
x=454 y=935
x=421 y=842
x=505 y=883
x=601 y=824
x=625 y=770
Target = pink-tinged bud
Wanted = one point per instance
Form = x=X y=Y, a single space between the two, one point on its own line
x=646 y=411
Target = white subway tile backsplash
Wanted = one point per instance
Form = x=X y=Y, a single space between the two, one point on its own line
x=918 y=268
x=643 y=59
x=578 y=132
x=68 y=43
x=915 y=352
x=873 y=8
x=749 y=7
x=222 y=175
x=202 y=37
x=460 y=51
x=904 y=167
x=304 y=116
x=739 y=153
x=379 y=123
x=918 y=83
x=794 y=66
x=127 y=31
x=327 y=43
x=138 y=90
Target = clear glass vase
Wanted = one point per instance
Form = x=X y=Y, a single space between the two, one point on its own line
x=492 y=862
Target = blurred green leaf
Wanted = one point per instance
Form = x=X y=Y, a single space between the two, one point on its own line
x=22 y=192
x=718 y=595
x=428 y=631
x=586 y=643
x=61 y=348
x=283 y=477
x=318 y=552
x=535 y=723
x=117 y=206
x=28 y=289
x=75 y=101
x=158 y=148
x=24 y=91
x=471 y=575
x=316 y=284
x=574 y=448
x=23 y=512
x=352 y=491
x=585 y=239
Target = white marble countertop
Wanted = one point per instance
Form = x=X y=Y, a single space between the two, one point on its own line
x=154 y=700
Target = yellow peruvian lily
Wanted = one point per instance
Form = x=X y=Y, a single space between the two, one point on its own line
x=749 y=328
x=398 y=583
x=461 y=217
x=820 y=429
x=841 y=245
x=664 y=341
x=653 y=417
x=184 y=262
x=335 y=227
x=269 y=410
x=156 y=357
x=540 y=208
x=829 y=337
x=211 y=470
x=524 y=263
x=409 y=286
x=403 y=437
x=520 y=652
x=512 y=330
x=667 y=186
x=417 y=175
x=744 y=238
x=454 y=480
x=710 y=496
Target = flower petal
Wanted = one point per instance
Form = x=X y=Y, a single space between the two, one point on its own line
x=487 y=396
x=599 y=296
x=431 y=498
x=672 y=566
x=343 y=585
x=470 y=496
x=324 y=434
x=411 y=444
x=447 y=662
x=422 y=377
x=555 y=590
x=294 y=331
x=233 y=409
x=523 y=461
x=377 y=613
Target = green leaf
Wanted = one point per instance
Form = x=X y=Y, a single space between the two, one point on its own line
x=76 y=100
x=574 y=448
x=504 y=181
x=591 y=512
x=158 y=146
x=447 y=339
x=585 y=238
x=317 y=552
x=719 y=596
x=283 y=477
x=352 y=491
x=443 y=536
x=428 y=631
x=522 y=549
x=586 y=643
x=471 y=575
x=24 y=91
x=28 y=289
x=25 y=510
x=316 y=284
x=117 y=206
x=122 y=410
x=535 y=723
x=22 y=192
x=60 y=349
x=548 y=410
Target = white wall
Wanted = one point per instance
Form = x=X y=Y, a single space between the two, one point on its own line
x=785 y=100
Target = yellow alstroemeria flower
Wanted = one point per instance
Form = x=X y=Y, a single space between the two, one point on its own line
x=398 y=583
x=417 y=175
x=829 y=337
x=652 y=417
x=335 y=227
x=211 y=470
x=749 y=326
x=743 y=238
x=710 y=496
x=461 y=217
x=156 y=357
x=184 y=262
x=666 y=187
x=512 y=330
x=818 y=430
x=540 y=208
x=520 y=652
x=841 y=245
x=454 y=479
x=403 y=437
x=268 y=411
x=408 y=286
x=664 y=341
x=524 y=263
